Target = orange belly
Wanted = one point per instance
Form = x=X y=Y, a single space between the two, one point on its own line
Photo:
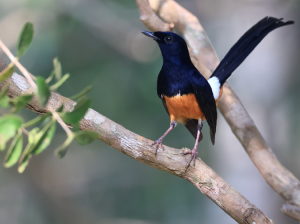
x=185 y=107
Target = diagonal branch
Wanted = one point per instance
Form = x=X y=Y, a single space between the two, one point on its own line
x=206 y=60
x=138 y=147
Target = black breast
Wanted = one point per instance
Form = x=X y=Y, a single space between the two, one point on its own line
x=174 y=80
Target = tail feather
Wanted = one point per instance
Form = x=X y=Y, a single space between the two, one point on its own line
x=245 y=45
x=191 y=125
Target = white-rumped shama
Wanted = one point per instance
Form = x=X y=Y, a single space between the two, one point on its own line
x=186 y=95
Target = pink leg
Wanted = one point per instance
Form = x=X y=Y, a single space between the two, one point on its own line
x=194 y=152
x=158 y=142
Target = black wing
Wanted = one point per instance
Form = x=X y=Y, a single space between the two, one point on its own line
x=165 y=105
x=191 y=125
x=206 y=101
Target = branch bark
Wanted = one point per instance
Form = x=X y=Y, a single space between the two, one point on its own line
x=206 y=60
x=138 y=147
x=148 y=17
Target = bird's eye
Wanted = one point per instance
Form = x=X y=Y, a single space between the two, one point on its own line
x=168 y=39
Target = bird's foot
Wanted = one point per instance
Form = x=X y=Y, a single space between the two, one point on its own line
x=193 y=153
x=158 y=143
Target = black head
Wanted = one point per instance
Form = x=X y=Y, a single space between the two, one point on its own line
x=172 y=46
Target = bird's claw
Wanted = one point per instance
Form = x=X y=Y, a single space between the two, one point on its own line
x=158 y=143
x=193 y=153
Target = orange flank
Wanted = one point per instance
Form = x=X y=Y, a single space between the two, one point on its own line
x=182 y=108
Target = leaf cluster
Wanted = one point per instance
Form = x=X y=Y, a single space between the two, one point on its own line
x=42 y=128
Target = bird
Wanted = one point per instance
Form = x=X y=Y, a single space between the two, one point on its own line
x=186 y=95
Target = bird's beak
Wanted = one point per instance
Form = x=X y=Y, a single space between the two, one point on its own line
x=150 y=34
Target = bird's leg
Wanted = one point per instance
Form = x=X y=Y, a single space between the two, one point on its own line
x=158 y=142
x=194 y=152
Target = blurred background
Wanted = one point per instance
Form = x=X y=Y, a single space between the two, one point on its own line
x=100 y=44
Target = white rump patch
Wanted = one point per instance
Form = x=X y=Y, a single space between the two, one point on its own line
x=215 y=86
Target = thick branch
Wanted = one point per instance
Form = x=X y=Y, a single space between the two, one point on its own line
x=206 y=60
x=138 y=147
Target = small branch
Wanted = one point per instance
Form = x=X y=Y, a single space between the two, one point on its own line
x=24 y=131
x=206 y=60
x=60 y=121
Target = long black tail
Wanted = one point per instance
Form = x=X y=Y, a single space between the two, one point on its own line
x=245 y=46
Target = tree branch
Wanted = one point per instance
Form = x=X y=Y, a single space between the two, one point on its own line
x=138 y=147
x=206 y=60
x=148 y=17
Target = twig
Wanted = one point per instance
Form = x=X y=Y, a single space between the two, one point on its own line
x=206 y=60
x=28 y=75
x=24 y=131
x=60 y=121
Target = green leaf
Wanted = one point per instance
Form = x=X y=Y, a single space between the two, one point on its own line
x=31 y=135
x=7 y=72
x=43 y=91
x=4 y=91
x=9 y=124
x=24 y=164
x=4 y=99
x=57 y=68
x=82 y=93
x=47 y=120
x=60 y=109
x=4 y=102
x=85 y=137
x=79 y=111
x=36 y=120
x=19 y=102
x=25 y=38
x=32 y=141
x=50 y=77
x=62 y=150
x=76 y=127
x=25 y=157
x=60 y=82
x=44 y=137
x=14 y=151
